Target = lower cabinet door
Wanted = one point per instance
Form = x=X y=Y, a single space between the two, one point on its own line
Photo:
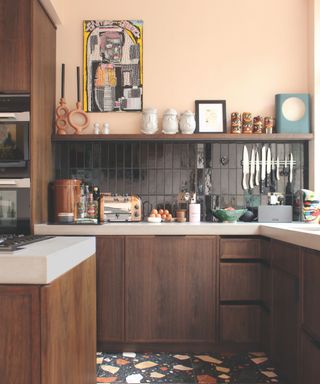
x=284 y=349
x=240 y=323
x=170 y=288
x=310 y=361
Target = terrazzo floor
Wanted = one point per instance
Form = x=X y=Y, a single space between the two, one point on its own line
x=129 y=367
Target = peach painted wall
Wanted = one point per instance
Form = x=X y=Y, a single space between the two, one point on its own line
x=244 y=51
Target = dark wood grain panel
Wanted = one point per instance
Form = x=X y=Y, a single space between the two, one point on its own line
x=311 y=291
x=240 y=281
x=68 y=327
x=285 y=256
x=266 y=286
x=170 y=288
x=110 y=289
x=240 y=323
x=15 y=46
x=43 y=72
x=310 y=358
x=233 y=248
x=285 y=321
x=19 y=334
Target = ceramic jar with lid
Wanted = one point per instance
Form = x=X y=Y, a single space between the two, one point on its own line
x=170 y=121
x=149 y=121
x=187 y=122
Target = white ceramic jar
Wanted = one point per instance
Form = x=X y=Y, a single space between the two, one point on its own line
x=149 y=121
x=187 y=122
x=170 y=122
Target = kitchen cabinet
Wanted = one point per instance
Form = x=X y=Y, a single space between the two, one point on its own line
x=15 y=46
x=170 y=289
x=285 y=309
x=48 y=332
x=240 y=290
x=110 y=290
x=310 y=358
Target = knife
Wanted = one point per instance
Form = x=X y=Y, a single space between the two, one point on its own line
x=278 y=169
x=263 y=168
x=252 y=169
x=245 y=167
x=273 y=176
x=257 y=167
x=289 y=192
x=268 y=178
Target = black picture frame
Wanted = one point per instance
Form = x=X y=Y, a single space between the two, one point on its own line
x=217 y=123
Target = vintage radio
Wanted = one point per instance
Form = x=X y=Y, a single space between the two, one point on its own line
x=120 y=208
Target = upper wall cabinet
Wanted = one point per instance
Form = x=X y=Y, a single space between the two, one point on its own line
x=15 y=46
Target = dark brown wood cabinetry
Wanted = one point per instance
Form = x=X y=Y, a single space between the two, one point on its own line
x=110 y=291
x=170 y=289
x=28 y=65
x=240 y=290
x=48 y=333
x=15 y=46
x=285 y=309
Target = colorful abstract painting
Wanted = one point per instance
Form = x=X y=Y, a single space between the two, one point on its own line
x=112 y=65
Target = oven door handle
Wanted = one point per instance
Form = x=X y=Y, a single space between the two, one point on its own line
x=17 y=183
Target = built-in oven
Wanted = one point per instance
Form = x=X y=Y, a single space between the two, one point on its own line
x=14 y=135
x=15 y=206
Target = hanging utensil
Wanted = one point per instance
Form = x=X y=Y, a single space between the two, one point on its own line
x=268 y=177
x=278 y=169
x=273 y=176
x=245 y=167
x=257 y=167
x=289 y=187
x=77 y=118
x=263 y=169
x=62 y=110
x=252 y=169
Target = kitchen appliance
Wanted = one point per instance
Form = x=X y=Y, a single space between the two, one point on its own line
x=120 y=208
x=275 y=214
x=15 y=206
x=12 y=242
x=14 y=135
x=66 y=196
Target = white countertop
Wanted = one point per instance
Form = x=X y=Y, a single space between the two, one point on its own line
x=306 y=235
x=44 y=261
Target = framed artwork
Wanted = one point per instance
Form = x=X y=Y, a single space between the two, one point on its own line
x=210 y=116
x=112 y=65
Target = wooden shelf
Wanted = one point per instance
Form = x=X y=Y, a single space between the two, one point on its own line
x=201 y=137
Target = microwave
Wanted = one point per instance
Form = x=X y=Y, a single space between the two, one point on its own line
x=14 y=135
x=15 y=212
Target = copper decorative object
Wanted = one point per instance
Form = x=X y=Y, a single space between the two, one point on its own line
x=62 y=110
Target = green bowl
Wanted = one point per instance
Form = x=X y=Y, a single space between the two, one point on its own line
x=229 y=216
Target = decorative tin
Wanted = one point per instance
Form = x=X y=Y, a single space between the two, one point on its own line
x=247 y=122
x=268 y=124
x=258 y=124
x=236 y=126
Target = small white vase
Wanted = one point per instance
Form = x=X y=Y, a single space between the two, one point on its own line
x=187 y=122
x=170 y=122
x=149 y=121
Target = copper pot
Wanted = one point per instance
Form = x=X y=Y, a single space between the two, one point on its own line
x=66 y=194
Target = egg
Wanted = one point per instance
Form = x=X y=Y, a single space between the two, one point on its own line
x=152 y=215
x=163 y=217
x=161 y=211
x=158 y=215
x=169 y=217
x=154 y=211
x=166 y=212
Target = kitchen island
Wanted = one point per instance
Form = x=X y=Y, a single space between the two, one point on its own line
x=48 y=312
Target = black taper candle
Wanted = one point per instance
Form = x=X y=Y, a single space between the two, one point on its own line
x=78 y=84
x=62 y=81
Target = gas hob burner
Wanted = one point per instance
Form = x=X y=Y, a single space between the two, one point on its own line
x=14 y=242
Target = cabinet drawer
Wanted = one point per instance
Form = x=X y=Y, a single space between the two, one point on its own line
x=231 y=248
x=286 y=257
x=240 y=323
x=240 y=281
x=311 y=291
x=310 y=356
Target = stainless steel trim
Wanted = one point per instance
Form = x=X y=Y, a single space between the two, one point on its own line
x=9 y=117
x=15 y=183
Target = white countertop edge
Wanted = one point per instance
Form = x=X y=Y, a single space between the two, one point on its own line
x=42 y=262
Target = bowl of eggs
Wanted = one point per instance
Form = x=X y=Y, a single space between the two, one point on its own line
x=161 y=215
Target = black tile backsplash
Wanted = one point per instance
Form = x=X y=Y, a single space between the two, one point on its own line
x=159 y=171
